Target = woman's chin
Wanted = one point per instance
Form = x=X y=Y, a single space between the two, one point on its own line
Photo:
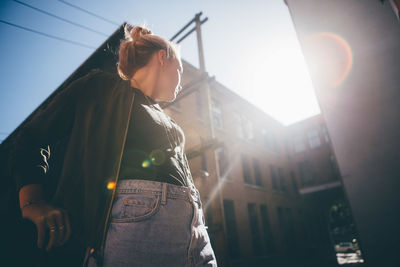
x=176 y=92
x=171 y=98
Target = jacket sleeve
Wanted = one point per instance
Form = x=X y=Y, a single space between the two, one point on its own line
x=32 y=157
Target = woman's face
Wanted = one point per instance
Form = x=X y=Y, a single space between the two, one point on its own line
x=171 y=79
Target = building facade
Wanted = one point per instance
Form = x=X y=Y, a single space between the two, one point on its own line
x=252 y=172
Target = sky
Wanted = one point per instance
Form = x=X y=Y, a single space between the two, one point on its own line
x=249 y=46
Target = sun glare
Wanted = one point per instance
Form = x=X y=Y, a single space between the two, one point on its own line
x=278 y=82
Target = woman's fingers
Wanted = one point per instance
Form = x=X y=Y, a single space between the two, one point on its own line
x=41 y=232
x=53 y=235
x=67 y=226
x=64 y=227
x=59 y=218
x=50 y=221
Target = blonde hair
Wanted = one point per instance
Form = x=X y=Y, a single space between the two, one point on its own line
x=137 y=48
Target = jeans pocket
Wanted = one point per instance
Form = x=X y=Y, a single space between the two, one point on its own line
x=136 y=207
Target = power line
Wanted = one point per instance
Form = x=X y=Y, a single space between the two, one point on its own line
x=60 y=18
x=88 y=12
x=47 y=35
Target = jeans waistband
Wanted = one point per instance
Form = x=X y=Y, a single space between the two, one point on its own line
x=137 y=186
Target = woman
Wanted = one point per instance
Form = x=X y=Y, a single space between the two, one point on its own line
x=125 y=191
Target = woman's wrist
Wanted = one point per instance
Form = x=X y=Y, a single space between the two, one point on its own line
x=32 y=202
x=31 y=194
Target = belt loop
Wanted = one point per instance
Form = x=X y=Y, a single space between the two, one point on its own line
x=164 y=194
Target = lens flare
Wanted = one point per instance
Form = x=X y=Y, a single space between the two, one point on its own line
x=111 y=185
x=217 y=189
x=146 y=163
x=157 y=157
x=332 y=57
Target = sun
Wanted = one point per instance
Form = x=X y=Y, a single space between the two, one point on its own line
x=278 y=82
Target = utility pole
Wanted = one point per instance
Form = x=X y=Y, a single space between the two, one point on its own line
x=197 y=28
x=206 y=83
x=200 y=43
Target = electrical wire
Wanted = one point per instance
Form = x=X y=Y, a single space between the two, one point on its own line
x=47 y=35
x=89 y=12
x=60 y=18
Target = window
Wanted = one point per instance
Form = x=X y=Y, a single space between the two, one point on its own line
x=266 y=225
x=199 y=105
x=267 y=139
x=209 y=215
x=291 y=237
x=334 y=167
x=303 y=229
x=270 y=140
x=324 y=132
x=313 y=138
x=255 y=230
x=248 y=128
x=282 y=180
x=281 y=219
x=238 y=125
x=274 y=178
x=231 y=229
x=246 y=170
x=210 y=220
x=222 y=162
x=306 y=173
x=294 y=182
x=283 y=227
x=204 y=161
x=243 y=127
x=257 y=172
x=216 y=113
x=298 y=144
x=275 y=144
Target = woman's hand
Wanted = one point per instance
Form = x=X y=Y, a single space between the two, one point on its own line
x=51 y=221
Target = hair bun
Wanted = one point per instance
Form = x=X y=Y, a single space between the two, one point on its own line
x=133 y=33
x=136 y=50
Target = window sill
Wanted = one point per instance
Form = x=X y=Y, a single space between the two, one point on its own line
x=227 y=180
x=253 y=186
x=280 y=192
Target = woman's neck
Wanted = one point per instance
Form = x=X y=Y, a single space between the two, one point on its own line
x=145 y=81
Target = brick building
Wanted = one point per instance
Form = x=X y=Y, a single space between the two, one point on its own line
x=320 y=186
x=252 y=172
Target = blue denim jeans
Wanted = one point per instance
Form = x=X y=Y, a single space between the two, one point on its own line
x=156 y=224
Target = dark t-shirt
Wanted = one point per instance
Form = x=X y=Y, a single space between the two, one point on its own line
x=154 y=145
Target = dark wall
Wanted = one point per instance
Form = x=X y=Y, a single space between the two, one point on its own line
x=362 y=111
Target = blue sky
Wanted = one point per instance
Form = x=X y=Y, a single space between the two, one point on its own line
x=249 y=46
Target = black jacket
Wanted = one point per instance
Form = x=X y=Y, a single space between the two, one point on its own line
x=86 y=126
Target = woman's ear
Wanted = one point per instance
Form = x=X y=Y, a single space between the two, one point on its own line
x=162 y=57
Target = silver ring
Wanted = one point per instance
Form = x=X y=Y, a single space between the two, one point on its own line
x=52 y=228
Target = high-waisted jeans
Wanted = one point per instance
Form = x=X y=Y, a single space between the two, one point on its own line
x=156 y=224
